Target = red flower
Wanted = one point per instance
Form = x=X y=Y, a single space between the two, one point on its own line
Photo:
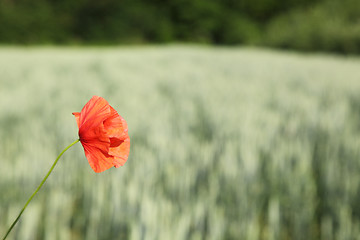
x=104 y=135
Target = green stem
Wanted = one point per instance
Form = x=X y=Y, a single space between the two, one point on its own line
x=38 y=188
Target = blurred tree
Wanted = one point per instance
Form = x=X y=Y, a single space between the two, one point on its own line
x=328 y=25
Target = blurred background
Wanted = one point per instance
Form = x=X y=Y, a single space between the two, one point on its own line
x=309 y=25
x=244 y=118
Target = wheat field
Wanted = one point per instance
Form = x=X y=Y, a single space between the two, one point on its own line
x=226 y=143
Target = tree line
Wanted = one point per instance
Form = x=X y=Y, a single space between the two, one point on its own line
x=325 y=25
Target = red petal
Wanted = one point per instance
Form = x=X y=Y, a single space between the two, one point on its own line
x=93 y=113
x=98 y=160
x=77 y=117
x=115 y=125
x=96 y=138
x=120 y=150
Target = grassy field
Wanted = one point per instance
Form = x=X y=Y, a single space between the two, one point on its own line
x=227 y=143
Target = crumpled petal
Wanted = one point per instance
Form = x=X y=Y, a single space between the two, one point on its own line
x=104 y=135
x=120 y=152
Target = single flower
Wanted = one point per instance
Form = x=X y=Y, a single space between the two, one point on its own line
x=104 y=135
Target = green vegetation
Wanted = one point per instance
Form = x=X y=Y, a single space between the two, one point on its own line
x=307 y=25
x=227 y=143
x=329 y=26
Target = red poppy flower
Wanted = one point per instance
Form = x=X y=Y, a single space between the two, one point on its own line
x=104 y=135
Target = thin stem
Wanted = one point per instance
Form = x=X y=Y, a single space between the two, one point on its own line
x=38 y=188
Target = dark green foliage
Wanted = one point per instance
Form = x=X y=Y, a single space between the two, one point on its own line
x=325 y=25
x=329 y=26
